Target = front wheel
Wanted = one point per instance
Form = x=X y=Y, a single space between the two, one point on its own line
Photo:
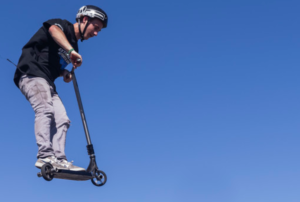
x=99 y=179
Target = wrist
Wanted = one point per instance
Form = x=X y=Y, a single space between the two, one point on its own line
x=69 y=52
x=64 y=72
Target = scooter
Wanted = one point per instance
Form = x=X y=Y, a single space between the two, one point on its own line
x=98 y=177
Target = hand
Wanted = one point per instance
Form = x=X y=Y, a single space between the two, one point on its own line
x=76 y=59
x=67 y=76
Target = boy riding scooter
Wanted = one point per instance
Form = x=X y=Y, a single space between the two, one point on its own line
x=44 y=59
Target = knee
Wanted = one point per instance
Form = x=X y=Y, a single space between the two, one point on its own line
x=67 y=123
x=45 y=110
x=63 y=121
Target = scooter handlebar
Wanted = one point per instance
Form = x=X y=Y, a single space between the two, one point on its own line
x=73 y=69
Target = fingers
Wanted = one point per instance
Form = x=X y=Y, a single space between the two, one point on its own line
x=77 y=62
x=68 y=78
x=76 y=59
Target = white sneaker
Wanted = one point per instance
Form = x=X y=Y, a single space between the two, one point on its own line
x=50 y=159
x=69 y=166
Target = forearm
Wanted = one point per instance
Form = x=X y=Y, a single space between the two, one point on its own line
x=59 y=37
x=63 y=73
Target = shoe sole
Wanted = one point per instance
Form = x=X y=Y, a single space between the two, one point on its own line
x=40 y=165
x=72 y=169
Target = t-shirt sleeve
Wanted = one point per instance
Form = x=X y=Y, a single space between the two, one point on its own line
x=58 y=22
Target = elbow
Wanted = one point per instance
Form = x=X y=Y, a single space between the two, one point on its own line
x=52 y=29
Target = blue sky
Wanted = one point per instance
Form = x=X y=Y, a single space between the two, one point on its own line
x=185 y=101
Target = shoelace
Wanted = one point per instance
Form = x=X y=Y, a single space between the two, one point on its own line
x=53 y=159
x=66 y=164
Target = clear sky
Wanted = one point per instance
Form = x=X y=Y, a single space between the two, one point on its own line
x=186 y=101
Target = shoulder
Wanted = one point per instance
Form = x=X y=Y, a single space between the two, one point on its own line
x=62 y=24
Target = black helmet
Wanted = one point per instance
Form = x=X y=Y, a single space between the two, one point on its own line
x=91 y=12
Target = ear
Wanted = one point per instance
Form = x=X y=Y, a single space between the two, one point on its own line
x=85 y=18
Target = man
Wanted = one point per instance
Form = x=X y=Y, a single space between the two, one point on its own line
x=44 y=58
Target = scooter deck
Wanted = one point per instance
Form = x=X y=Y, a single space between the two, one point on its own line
x=72 y=175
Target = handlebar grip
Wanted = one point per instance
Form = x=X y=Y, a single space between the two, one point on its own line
x=72 y=71
x=68 y=75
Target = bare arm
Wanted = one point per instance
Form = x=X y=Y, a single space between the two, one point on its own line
x=60 y=38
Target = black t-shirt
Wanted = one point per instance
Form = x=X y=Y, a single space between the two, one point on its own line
x=42 y=56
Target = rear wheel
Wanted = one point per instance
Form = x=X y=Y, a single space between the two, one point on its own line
x=46 y=171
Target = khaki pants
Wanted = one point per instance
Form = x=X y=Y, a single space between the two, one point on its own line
x=51 y=120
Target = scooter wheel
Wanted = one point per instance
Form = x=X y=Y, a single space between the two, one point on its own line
x=46 y=172
x=99 y=179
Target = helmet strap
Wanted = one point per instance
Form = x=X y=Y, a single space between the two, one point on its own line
x=82 y=33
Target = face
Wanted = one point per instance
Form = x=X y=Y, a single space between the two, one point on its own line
x=95 y=26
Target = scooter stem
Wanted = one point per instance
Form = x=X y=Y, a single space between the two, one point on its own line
x=86 y=130
x=92 y=165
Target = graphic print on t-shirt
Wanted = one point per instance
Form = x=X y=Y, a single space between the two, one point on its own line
x=64 y=58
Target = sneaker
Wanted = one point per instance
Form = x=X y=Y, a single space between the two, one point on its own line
x=50 y=159
x=69 y=166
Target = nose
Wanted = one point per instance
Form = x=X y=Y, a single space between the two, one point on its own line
x=95 y=33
